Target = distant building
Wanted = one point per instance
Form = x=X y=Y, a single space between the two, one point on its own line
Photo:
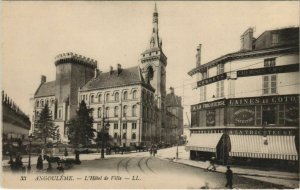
x=174 y=129
x=249 y=101
x=15 y=125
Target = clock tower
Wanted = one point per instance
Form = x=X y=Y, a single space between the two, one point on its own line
x=153 y=64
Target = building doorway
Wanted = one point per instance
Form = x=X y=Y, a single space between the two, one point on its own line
x=269 y=115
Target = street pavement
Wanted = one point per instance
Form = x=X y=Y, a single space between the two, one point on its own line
x=141 y=170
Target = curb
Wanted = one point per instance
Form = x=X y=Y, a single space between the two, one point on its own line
x=241 y=173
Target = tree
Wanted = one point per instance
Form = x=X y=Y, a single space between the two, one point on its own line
x=81 y=129
x=45 y=127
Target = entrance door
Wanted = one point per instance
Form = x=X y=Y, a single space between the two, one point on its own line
x=269 y=115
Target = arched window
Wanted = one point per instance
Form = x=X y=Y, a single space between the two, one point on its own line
x=37 y=103
x=99 y=97
x=107 y=97
x=42 y=103
x=92 y=98
x=99 y=113
x=125 y=95
x=47 y=102
x=52 y=102
x=133 y=136
x=134 y=94
x=124 y=135
x=117 y=96
x=134 y=110
x=116 y=111
x=107 y=112
x=124 y=111
x=115 y=135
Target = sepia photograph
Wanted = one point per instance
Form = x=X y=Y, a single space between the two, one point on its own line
x=150 y=94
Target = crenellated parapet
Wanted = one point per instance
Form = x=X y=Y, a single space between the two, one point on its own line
x=71 y=57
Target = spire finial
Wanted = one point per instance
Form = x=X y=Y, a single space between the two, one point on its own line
x=155 y=9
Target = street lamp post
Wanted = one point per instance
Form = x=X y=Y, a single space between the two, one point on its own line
x=30 y=137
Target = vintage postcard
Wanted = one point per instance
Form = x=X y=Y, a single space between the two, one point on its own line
x=150 y=95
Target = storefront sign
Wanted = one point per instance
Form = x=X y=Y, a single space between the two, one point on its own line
x=261 y=132
x=285 y=99
x=244 y=116
x=207 y=105
x=212 y=79
x=268 y=70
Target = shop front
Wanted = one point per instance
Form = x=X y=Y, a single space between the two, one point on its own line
x=251 y=128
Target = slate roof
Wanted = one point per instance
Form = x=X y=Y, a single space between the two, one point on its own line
x=45 y=89
x=127 y=76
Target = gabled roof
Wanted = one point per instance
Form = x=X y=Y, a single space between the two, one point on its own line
x=45 y=89
x=127 y=76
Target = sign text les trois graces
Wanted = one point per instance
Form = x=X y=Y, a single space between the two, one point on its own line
x=283 y=99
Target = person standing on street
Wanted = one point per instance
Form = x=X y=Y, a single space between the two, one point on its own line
x=229 y=176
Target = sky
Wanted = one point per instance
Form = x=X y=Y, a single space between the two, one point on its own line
x=33 y=33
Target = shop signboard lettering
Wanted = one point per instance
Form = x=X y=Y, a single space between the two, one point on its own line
x=261 y=132
x=268 y=70
x=283 y=99
x=210 y=118
x=211 y=80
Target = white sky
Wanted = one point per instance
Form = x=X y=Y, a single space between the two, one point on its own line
x=33 y=33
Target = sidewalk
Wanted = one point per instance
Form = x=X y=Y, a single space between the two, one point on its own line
x=287 y=179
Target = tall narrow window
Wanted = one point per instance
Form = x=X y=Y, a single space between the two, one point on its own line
x=124 y=136
x=92 y=98
x=133 y=125
x=99 y=97
x=124 y=111
x=99 y=113
x=42 y=103
x=124 y=125
x=37 y=103
x=125 y=95
x=117 y=96
x=271 y=62
x=220 y=69
x=134 y=110
x=270 y=84
x=134 y=94
x=116 y=126
x=133 y=136
x=107 y=97
x=115 y=135
x=107 y=112
x=220 y=89
x=116 y=111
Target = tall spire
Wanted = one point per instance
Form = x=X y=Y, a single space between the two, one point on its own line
x=154 y=41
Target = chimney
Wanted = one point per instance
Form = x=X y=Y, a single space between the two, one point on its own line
x=96 y=74
x=111 y=70
x=172 y=90
x=198 y=56
x=247 y=39
x=119 y=68
x=43 y=79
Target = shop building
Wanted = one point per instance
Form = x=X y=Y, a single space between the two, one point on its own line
x=249 y=101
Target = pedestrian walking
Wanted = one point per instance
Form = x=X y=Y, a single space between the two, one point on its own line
x=39 y=164
x=229 y=177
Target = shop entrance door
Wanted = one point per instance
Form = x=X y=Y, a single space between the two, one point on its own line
x=269 y=115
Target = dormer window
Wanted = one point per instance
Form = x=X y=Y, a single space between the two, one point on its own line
x=270 y=62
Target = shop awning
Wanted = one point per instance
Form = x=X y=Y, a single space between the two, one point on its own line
x=204 y=142
x=257 y=146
